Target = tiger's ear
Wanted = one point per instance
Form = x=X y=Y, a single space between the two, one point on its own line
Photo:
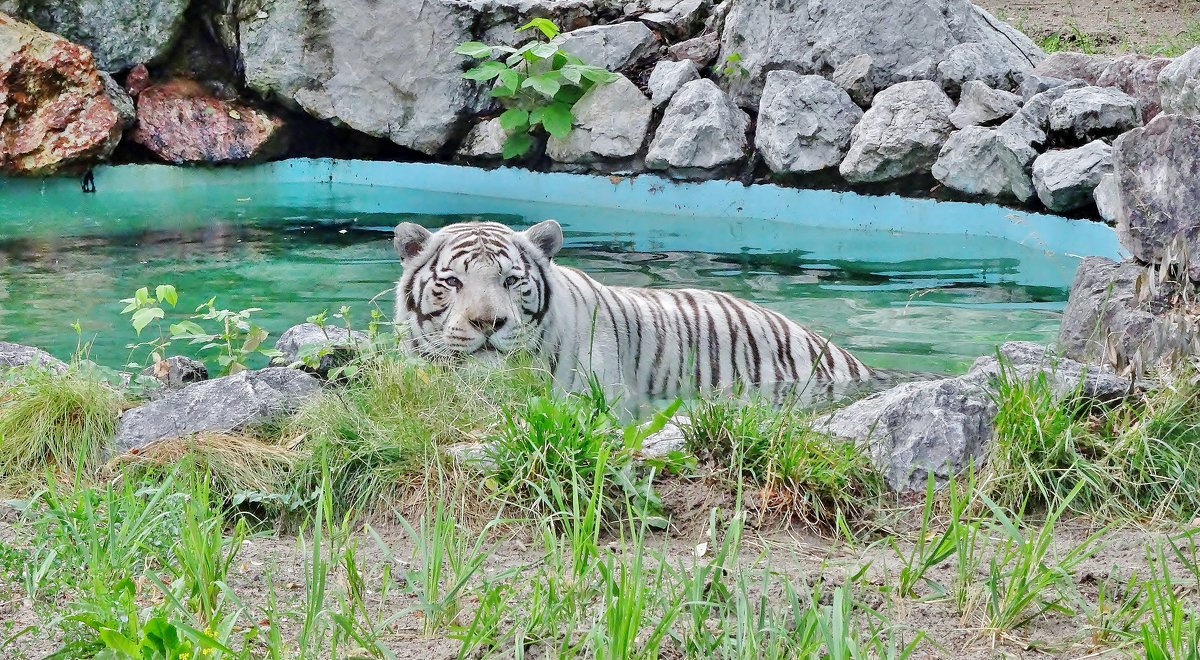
x=410 y=239
x=547 y=236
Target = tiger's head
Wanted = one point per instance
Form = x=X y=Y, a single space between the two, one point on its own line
x=474 y=287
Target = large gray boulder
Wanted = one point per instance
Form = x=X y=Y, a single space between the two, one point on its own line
x=1066 y=65
x=1066 y=178
x=980 y=105
x=900 y=135
x=701 y=131
x=1137 y=76
x=1123 y=315
x=998 y=68
x=1158 y=175
x=943 y=426
x=854 y=76
x=914 y=429
x=986 y=162
x=667 y=77
x=1179 y=85
x=804 y=123
x=222 y=405
x=317 y=349
x=17 y=356
x=906 y=39
x=1031 y=124
x=1094 y=113
x=613 y=47
x=386 y=69
x=120 y=33
x=611 y=121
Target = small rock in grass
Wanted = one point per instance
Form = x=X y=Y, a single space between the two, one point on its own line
x=17 y=356
x=317 y=349
x=222 y=405
x=176 y=372
x=942 y=426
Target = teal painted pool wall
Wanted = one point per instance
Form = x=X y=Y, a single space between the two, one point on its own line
x=1053 y=235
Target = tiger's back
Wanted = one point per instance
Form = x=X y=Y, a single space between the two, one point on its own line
x=660 y=343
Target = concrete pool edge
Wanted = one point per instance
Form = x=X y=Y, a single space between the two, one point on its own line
x=648 y=193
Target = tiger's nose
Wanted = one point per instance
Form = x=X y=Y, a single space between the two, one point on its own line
x=489 y=324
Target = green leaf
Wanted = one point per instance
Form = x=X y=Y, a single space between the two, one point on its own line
x=517 y=144
x=142 y=295
x=545 y=25
x=474 y=49
x=571 y=73
x=544 y=51
x=485 y=71
x=733 y=58
x=514 y=120
x=545 y=84
x=144 y=316
x=558 y=119
x=535 y=117
x=570 y=94
x=598 y=75
x=166 y=293
x=510 y=82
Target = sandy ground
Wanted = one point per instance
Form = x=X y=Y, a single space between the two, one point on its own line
x=1115 y=24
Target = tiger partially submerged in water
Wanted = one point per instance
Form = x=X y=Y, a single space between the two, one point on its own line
x=480 y=287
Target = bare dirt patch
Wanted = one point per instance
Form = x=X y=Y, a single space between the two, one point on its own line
x=1113 y=26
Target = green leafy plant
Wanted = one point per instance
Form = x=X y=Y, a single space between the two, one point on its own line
x=731 y=67
x=145 y=309
x=538 y=84
x=236 y=339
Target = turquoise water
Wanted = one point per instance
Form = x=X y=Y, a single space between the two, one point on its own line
x=898 y=300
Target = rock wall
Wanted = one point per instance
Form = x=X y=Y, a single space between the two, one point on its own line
x=927 y=97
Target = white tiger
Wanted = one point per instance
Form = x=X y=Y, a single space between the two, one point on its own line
x=480 y=287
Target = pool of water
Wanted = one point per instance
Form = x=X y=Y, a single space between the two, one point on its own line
x=896 y=299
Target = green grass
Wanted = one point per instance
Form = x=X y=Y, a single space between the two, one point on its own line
x=378 y=434
x=54 y=422
x=797 y=471
x=389 y=545
x=1140 y=459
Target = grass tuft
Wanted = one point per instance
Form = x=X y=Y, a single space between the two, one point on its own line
x=798 y=471
x=59 y=422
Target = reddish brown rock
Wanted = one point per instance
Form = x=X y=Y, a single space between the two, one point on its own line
x=1137 y=76
x=54 y=110
x=137 y=80
x=181 y=122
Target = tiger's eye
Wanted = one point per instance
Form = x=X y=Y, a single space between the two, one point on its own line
x=511 y=281
x=453 y=282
